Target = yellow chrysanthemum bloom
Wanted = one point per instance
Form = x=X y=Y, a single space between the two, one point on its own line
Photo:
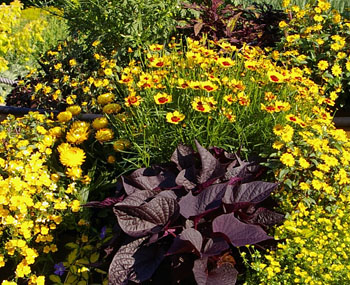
x=71 y=156
x=105 y=98
x=100 y=123
x=111 y=108
x=64 y=117
x=78 y=132
x=287 y=159
x=103 y=135
x=75 y=110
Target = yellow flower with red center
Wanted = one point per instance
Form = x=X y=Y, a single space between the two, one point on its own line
x=282 y=106
x=225 y=62
x=126 y=79
x=133 y=100
x=200 y=104
x=230 y=99
x=156 y=47
x=159 y=62
x=195 y=85
x=243 y=99
x=162 y=98
x=182 y=83
x=268 y=109
x=292 y=118
x=208 y=86
x=229 y=115
x=174 y=117
x=275 y=76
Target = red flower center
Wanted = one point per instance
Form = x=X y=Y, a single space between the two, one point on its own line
x=162 y=100
x=175 y=119
x=208 y=88
x=274 y=78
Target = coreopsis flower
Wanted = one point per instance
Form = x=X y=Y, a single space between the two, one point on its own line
x=243 y=99
x=105 y=134
x=174 y=117
x=225 y=62
x=230 y=99
x=208 y=86
x=105 y=98
x=71 y=156
x=133 y=100
x=156 y=47
x=64 y=117
x=200 y=104
x=162 y=98
x=100 y=123
x=78 y=133
x=275 y=76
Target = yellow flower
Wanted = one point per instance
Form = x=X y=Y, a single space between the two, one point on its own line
x=103 y=135
x=111 y=108
x=275 y=76
x=111 y=159
x=287 y=159
x=75 y=110
x=72 y=62
x=132 y=100
x=100 y=123
x=121 y=144
x=162 y=98
x=336 y=70
x=78 y=133
x=64 y=116
x=71 y=156
x=200 y=104
x=322 y=65
x=75 y=206
x=304 y=163
x=105 y=98
x=174 y=117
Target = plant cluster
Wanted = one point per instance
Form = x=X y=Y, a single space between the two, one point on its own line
x=187 y=215
x=34 y=200
x=315 y=37
x=223 y=98
x=69 y=74
x=255 y=25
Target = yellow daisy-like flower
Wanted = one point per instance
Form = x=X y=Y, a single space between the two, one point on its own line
x=287 y=159
x=133 y=100
x=200 y=104
x=71 y=156
x=103 y=135
x=105 y=98
x=174 y=117
x=121 y=144
x=111 y=108
x=275 y=76
x=322 y=65
x=162 y=98
x=304 y=163
x=336 y=70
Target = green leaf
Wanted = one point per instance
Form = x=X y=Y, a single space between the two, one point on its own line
x=71 y=245
x=100 y=271
x=55 y=278
x=71 y=279
x=72 y=256
x=94 y=257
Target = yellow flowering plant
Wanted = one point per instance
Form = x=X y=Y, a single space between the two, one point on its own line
x=315 y=40
x=198 y=90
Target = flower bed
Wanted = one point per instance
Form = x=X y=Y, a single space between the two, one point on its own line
x=185 y=130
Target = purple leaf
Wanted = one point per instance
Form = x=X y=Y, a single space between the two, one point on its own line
x=108 y=202
x=252 y=192
x=224 y=274
x=197 y=28
x=211 y=167
x=208 y=199
x=264 y=217
x=238 y=233
x=214 y=246
x=187 y=178
x=134 y=262
x=183 y=157
x=144 y=213
x=188 y=241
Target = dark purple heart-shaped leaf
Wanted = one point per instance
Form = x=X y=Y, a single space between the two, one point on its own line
x=190 y=240
x=214 y=246
x=208 y=199
x=238 y=233
x=264 y=217
x=123 y=262
x=145 y=213
x=134 y=262
x=187 y=178
x=225 y=274
x=183 y=157
x=211 y=167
